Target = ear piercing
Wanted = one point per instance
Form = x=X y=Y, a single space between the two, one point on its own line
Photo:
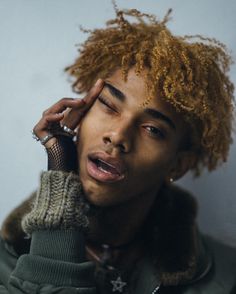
x=171 y=180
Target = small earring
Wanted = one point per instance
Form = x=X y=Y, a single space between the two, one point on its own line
x=171 y=180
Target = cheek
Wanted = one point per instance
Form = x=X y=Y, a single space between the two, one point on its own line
x=154 y=165
x=89 y=134
x=89 y=126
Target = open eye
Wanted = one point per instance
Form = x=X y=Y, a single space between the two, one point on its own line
x=155 y=132
x=106 y=103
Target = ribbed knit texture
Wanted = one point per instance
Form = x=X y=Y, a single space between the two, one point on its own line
x=63 y=245
x=37 y=269
x=58 y=205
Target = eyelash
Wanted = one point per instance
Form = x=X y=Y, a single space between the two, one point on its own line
x=106 y=103
x=157 y=133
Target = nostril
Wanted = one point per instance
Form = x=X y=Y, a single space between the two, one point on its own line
x=106 y=140
x=116 y=141
x=122 y=147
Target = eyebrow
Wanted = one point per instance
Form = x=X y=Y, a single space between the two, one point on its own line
x=159 y=115
x=115 y=92
x=150 y=111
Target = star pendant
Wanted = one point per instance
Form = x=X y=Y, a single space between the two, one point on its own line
x=118 y=285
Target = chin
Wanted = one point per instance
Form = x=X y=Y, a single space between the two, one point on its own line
x=102 y=199
x=101 y=196
x=97 y=193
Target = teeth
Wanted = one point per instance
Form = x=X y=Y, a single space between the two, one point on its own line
x=106 y=163
x=104 y=170
x=104 y=166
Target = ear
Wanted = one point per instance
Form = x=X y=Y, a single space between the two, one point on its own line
x=184 y=161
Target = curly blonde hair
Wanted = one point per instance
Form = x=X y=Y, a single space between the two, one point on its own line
x=189 y=72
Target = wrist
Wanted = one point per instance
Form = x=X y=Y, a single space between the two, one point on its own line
x=62 y=154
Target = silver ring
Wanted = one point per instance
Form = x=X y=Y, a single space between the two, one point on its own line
x=68 y=130
x=45 y=139
x=35 y=137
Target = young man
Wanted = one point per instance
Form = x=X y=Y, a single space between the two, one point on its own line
x=107 y=217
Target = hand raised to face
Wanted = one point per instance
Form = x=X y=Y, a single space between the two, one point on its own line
x=56 y=127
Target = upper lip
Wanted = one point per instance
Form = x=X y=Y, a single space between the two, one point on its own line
x=112 y=161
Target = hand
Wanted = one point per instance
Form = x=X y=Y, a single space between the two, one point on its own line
x=68 y=112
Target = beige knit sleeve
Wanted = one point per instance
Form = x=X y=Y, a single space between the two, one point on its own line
x=58 y=205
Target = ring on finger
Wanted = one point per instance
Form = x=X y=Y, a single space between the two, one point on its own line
x=68 y=130
x=45 y=139
x=35 y=137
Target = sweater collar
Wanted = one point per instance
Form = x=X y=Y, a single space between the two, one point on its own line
x=176 y=254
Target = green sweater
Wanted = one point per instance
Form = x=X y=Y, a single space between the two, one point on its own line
x=54 y=262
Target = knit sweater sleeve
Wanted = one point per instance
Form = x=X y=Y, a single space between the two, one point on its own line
x=56 y=262
x=58 y=205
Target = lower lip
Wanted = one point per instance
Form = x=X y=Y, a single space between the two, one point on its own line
x=101 y=175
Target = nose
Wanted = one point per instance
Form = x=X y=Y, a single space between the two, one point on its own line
x=119 y=137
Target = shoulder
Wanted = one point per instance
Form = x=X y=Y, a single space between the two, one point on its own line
x=11 y=229
x=8 y=260
x=180 y=241
x=224 y=257
x=221 y=278
x=12 y=240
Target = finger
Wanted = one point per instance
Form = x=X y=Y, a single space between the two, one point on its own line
x=74 y=116
x=41 y=129
x=94 y=92
x=63 y=104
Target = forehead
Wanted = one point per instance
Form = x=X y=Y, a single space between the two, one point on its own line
x=133 y=86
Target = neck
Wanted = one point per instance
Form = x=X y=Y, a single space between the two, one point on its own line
x=120 y=224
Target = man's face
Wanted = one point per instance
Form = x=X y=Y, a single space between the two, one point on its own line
x=126 y=150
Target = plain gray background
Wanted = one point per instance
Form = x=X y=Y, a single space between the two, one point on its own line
x=37 y=40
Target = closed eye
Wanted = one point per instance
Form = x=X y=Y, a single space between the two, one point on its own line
x=106 y=103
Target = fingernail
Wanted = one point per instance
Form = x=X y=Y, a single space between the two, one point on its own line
x=98 y=82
